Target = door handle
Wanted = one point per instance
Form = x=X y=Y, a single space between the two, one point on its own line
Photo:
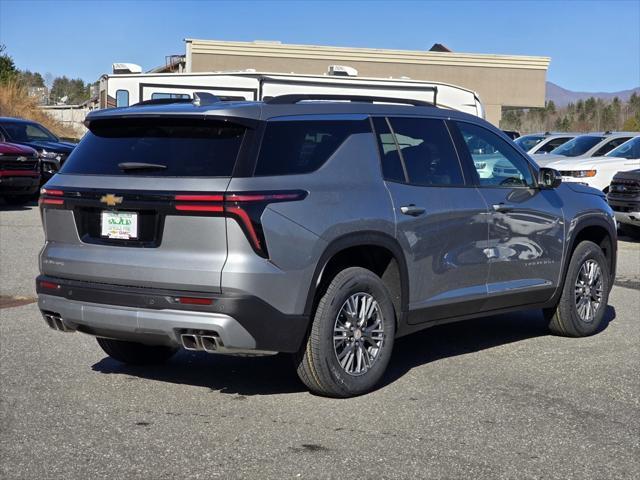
x=501 y=207
x=412 y=210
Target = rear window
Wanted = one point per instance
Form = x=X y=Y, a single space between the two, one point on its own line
x=168 y=147
x=528 y=141
x=578 y=146
x=296 y=147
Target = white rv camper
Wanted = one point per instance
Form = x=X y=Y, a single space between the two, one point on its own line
x=122 y=90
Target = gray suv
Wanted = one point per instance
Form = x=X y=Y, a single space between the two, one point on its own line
x=325 y=229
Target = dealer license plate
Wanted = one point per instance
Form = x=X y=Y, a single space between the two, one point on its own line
x=120 y=225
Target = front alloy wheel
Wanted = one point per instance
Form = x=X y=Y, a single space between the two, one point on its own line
x=589 y=290
x=582 y=305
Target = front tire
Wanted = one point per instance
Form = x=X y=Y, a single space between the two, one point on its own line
x=133 y=353
x=580 y=311
x=351 y=338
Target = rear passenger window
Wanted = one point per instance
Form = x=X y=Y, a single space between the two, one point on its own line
x=426 y=154
x=296 y=147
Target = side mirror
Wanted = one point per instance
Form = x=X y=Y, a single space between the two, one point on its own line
x=549 y=178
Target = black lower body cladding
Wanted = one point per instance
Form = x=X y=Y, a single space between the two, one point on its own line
x=271 y=329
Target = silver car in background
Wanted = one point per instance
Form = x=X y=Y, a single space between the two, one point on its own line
x=595 y=144
x=542 y=143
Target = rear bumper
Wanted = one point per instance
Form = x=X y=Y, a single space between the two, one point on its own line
x=19 y=185
x=152 y=316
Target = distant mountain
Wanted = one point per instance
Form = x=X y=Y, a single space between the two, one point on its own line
x=561 y=96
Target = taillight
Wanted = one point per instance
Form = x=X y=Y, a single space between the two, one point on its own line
x=49 y=285
x=47 y=191
x=245 y=207
x=46 y=199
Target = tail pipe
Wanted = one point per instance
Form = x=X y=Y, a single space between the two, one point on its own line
x=201 y=342
x=55 y=321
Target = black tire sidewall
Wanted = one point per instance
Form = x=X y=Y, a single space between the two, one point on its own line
x=585 y=251
x=358 y=280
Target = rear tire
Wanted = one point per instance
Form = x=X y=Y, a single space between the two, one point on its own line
x=580 y=311
x=133 y=353
x=351 y=338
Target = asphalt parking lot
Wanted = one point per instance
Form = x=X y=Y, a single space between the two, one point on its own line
x=490 y=398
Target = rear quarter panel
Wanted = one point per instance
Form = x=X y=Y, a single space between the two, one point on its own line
x=346 y=195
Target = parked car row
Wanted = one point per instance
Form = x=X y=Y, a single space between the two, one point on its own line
x=540 y=143
x=624 y=199
x=19 y=173
x=29 y=156
x=607 y=161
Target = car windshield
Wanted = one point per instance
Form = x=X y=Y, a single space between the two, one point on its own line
x=578 y=146
x=629 y=149
x=528 y=141
x=27 y=132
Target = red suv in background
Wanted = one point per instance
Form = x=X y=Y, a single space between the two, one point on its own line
x=19 y=173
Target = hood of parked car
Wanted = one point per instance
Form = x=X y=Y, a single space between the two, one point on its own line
x=13 y=149
x=590 y=163
x=544 y=159
x=58 y=147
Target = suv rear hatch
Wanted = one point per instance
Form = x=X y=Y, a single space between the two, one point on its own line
x=136 y=203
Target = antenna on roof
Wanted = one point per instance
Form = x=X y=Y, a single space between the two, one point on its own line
x=204 y=98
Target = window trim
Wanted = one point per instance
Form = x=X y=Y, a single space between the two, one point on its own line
x=398 y=149
x=465 y=181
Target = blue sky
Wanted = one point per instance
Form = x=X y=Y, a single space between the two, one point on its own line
x=594 y=45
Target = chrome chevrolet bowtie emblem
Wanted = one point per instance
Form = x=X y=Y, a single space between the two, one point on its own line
x=111 y=200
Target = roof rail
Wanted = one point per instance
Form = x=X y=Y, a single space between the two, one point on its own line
x=296 y=98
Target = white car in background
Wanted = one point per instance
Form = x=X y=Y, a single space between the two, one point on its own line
x=598 y=172
x=585 y=146
x=543 y=143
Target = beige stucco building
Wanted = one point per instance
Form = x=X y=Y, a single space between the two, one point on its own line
x=500 y=80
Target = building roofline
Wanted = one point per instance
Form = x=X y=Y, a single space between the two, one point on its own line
x=346 y=54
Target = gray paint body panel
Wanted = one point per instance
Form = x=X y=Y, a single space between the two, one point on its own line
x=459 y=251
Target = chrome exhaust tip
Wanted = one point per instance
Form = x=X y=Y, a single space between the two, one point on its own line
x=49 y=319
x=209 y=343
x=55 y=322
x=190 y=342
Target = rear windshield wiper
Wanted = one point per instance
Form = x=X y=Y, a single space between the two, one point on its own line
x=140 y=166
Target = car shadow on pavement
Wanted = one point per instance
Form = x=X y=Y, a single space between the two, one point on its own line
x=276 y=374
x=4 y=206
x=469 y=336
x=220 y=373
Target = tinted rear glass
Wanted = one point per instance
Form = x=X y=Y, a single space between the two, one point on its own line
x=528 y=141
x=577 y=146
x=186 y=147
x=296 y=147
